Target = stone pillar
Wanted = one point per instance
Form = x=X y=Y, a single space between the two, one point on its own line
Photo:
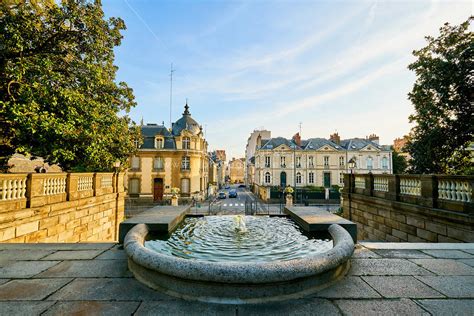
x=289 y=200
x=174 y=201
x=429 y=190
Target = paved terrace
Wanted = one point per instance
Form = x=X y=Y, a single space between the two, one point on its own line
x=385 y=279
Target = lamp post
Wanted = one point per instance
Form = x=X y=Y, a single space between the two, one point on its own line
x=351 y=164
x=116 y=167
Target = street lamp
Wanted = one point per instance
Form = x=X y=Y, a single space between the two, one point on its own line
x=116 y=167
x=351 y=164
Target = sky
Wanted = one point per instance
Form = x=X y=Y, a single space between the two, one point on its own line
x=245 y=65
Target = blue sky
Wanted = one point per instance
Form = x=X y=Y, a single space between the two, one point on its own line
x=331 y=65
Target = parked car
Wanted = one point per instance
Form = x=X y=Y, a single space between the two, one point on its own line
x=242 y=186
x=232 y=193
x=221 y=196
x=227 y=186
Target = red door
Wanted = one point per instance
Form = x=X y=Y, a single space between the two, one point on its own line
x=158 y=189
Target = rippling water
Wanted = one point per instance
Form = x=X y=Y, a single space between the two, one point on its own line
x=217 y=239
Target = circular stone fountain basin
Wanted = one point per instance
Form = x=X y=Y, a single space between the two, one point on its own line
x=232 y=281
x=239 y=239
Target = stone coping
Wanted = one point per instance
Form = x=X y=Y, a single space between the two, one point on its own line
x=160 y=219
x=315 y=219
x=239 y=273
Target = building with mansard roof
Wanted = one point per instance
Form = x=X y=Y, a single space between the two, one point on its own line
x=317 y=162
x=170 y=158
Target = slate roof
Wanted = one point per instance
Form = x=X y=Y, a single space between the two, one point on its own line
x=186 y=122
x=150 y=131
x=317 y=143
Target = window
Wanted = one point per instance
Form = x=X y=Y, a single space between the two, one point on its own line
x=186 y=143
x=341 y=179
x=311 y=161
x=267 y=178
x=341 y=161
x=267 y=161
x=135 y=163
x=298 y=162
x=158 y=163
x=134 y=186
x=384 y=163
x=158 y=143
x=283 y=162
x=369 y=163
x=185 y=186
x=136 y=143
x=185 y=163
x=326 y=161
x=311 y=177
x=298 y=178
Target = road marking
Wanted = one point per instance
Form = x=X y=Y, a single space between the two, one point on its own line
x=241 y=204
x=230 y=204
x=225 y=204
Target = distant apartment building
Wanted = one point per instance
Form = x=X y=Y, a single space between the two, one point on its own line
x=236 y=170
x=399 y=145
x=249 y=166
x=170 y=158
x=219 y=159
x=316 y=161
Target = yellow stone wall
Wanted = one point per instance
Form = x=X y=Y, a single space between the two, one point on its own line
x=77 y=207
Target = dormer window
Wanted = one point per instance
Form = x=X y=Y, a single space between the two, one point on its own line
x=186 y=143
x=159 y=143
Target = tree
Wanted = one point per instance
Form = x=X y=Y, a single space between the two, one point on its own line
x=443 y=99
x=399 y=163
x=58 y=94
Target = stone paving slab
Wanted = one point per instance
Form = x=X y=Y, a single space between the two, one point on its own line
x=296 y=308
x=73 y=255
x=189 y=308
x=25 y=269
x=24 y=308
x=364 y=253
x=449 y=254
x=445 y=266
x=349 y=287
x=402 y=254
x=30 y=289
x=88 y=269
x=469 y=247
x=113 y=254
x=451 y=286
x=104 y=289
x=469 y=262
x=380 y=307
x=448 y=307
x=94 y=308
x=57 y=246
x=24 y=254
x=385 y=267
x=401 y=286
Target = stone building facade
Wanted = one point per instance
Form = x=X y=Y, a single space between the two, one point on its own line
x=317 y=161
x=170 y=158
x=236 y=170
x=255 y=136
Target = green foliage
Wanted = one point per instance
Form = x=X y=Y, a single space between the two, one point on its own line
x=58 y=94
x=443 y=99
x=399 y=163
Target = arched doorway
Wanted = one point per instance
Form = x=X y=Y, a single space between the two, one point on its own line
x=157 y=189
x=283 y=179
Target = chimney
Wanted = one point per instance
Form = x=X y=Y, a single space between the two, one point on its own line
x=335 y=138
x=373 y=138
x=297 y=139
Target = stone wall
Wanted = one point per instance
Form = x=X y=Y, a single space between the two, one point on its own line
x=61 y=207
x=411 y=208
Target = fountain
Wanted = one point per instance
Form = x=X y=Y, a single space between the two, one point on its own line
x=238 y=259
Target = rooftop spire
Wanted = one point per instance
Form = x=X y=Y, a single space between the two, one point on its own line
x=186 y=108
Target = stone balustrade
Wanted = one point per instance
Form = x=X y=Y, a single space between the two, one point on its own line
x=57 y=207
x=418 y=208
